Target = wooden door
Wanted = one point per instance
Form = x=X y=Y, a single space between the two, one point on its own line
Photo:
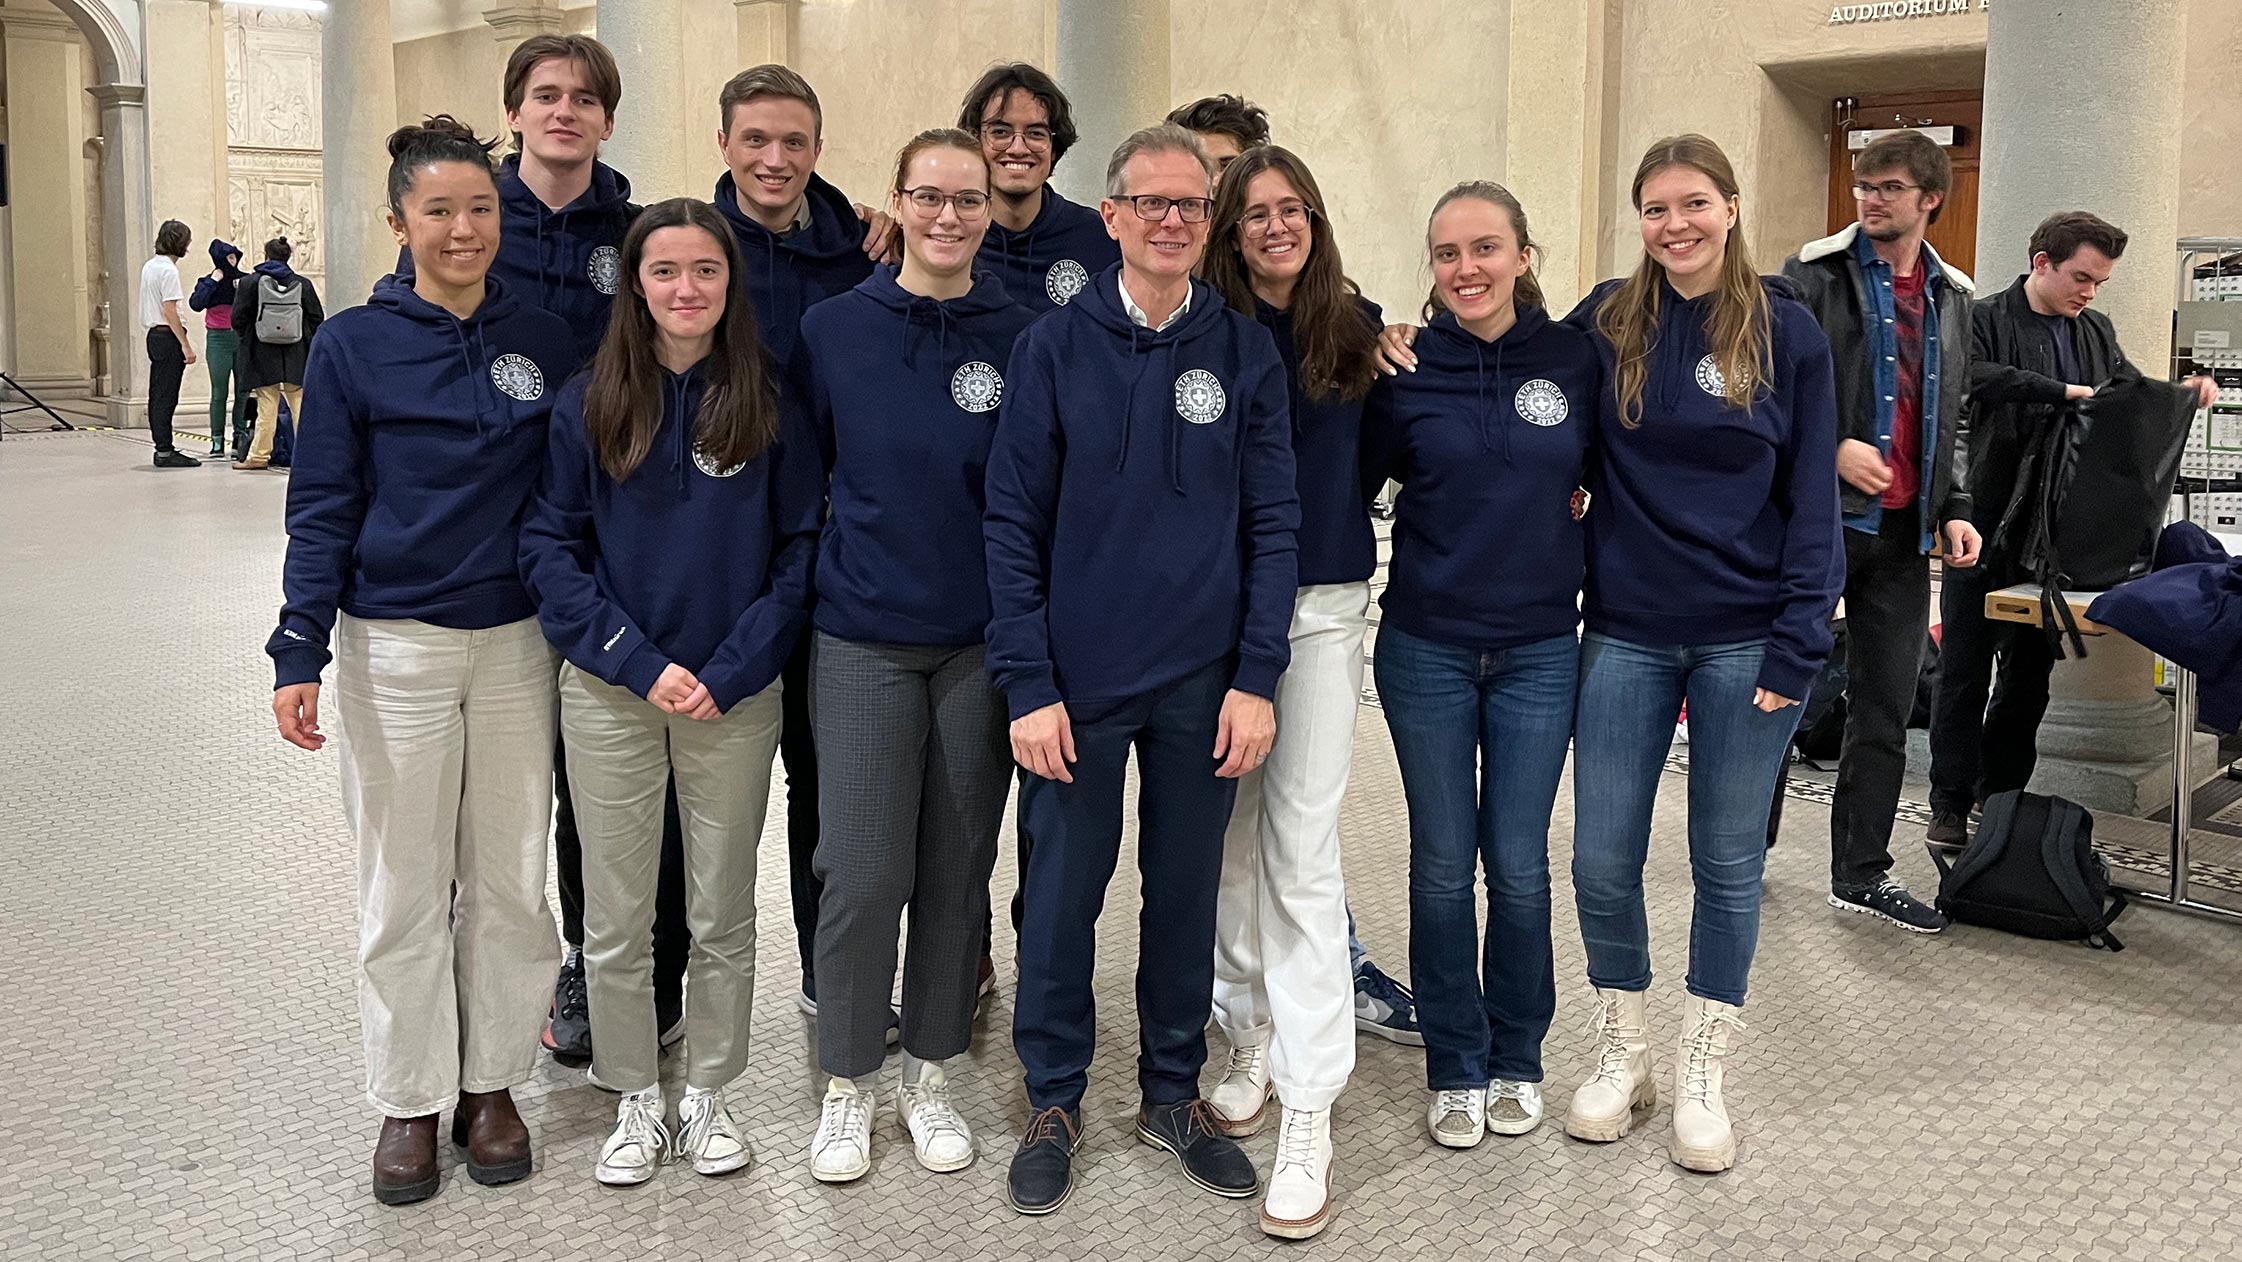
x=1954 y=236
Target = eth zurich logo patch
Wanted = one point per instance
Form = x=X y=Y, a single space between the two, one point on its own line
x=517 y=377
x=606 y=269
x=707 y=464
x=1709 y=378
x=1541 y=402
x=976 y=387
x=1065 y=279
x=1199 y=397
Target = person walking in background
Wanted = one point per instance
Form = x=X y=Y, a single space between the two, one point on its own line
x=169 y=351
x=214 y=296
x=276 y=313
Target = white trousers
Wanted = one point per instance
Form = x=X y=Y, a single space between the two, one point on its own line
x=446 y=740
x=622 y=751
x=1281 y=970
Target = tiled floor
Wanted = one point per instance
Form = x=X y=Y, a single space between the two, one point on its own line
x=176 y=893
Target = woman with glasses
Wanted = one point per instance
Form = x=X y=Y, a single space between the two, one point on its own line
x=1283 y=985
x=902 y=376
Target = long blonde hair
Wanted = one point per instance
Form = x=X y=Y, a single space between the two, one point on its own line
x=1742 y=325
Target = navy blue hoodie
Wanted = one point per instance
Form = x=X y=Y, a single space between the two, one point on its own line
x=568 y=261
x=1488 y=440
x=788 y=273
x=422 y=439
x=1142 y=505
x=1048 y=262
x=682 y=561
x=903 y=391
x=1337 y=544
x=1712 y=524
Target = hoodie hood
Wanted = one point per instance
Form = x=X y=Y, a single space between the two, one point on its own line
x=923 y=316
x=832 y=232
x=568 y=261
x=1447 y=346
x=225 y=256
x=788 y=273
x=280 y=271
x=467 y=338
x=1047 y=263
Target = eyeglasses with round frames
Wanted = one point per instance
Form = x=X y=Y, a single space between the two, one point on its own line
x=1001 y=134
x=1294 y=217
x=928 y=200
x=1154 y=207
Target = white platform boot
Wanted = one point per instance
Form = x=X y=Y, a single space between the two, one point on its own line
x=1621 y=1090
x=1702 y=1138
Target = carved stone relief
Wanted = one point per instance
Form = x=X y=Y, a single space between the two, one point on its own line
x=273 y=131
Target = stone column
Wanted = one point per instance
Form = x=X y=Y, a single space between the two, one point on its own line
x=1113 y=62
x=128 y=226
x=1554 y=160
x=767 y=31
x=47 y=218
x=648 y=40
x=358 y=98
x=2106 y=138
x=510 y=24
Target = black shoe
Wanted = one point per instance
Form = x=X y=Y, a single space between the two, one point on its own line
x=1209 y=1159
x=1043 y=1168
x=1948 y=828
x=568 y=1036
x=171 y=458
x=1890 y=900
x=669 y=1015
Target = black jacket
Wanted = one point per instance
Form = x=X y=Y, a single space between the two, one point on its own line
x=1829 y=282
x=263 y=365
x=2013 y=394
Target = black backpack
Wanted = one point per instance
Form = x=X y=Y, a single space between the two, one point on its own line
x=2031 y=869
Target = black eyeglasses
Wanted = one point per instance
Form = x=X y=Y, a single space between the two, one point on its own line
x=1154 y=207
x=928 y=200
x=1001 y=134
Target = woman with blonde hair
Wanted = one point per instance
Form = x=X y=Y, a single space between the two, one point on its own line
x=1713 y=567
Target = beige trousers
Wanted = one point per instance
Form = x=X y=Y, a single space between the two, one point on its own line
x=268 y=418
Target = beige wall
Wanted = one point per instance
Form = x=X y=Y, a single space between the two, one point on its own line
x=2211 y=178
x=456 y=73
x=51 y=299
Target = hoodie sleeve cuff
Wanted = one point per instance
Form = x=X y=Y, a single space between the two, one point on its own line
x=297 y=666
x=1026 y=696
x=1258 y=676
x=1786 y=676
x=642 y=668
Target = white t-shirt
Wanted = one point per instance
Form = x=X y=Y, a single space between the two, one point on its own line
x=159 y=280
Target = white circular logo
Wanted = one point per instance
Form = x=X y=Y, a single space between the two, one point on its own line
x=518 y=377
x=976 y=387
x=1709 y=378
x=1199 y=397
x=606 y=269
x=1065 y=279
x=1542 y=403
x=707 y=464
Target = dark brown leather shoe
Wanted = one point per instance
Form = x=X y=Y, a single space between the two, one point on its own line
x=405 y=1160
x=496 y=1138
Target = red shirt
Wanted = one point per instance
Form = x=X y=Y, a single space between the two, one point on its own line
x=1906 y=451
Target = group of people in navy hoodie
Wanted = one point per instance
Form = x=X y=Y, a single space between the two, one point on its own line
x=1124 y=514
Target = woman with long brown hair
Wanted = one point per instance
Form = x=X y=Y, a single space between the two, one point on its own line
x=1283 y=988
x=1713 y=567
x=669 y=552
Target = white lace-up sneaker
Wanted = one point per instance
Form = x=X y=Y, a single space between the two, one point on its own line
x=1299 y=1201
x=1702 y=1137
x=1457 y=1119
x=1513 y=1108
x=708 y=1135
x=1241 y=1100
x=1621 y=1091
x=842 y=1148
x=939 y=1135
x=635 y=1149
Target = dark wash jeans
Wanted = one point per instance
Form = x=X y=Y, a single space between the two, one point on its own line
x=1887 y=613
x=1979 y=750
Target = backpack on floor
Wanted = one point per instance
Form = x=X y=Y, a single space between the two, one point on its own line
x=280 y=312
x=1820 y=736
x=2031 y=870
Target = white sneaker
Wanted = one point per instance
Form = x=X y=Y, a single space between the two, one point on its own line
x=1621 y=1091
x=939 y=1135
x=1299 y=1201
x=1702 y=1138
x=1513 y=1108
x=1457 y=1119
x=634 y=1150
x=708 y=1135
x=842 y=1148
x=1241 y=1100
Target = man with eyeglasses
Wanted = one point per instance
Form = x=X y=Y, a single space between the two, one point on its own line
x=1142 y=568
x=1899 y=321
x=1042 y=246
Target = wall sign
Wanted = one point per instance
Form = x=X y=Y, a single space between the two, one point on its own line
x=1893 y=10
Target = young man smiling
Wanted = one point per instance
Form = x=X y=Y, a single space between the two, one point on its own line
x=1141 y=577
x=1042 y=246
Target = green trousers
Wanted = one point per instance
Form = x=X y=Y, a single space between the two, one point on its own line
x=219 y=347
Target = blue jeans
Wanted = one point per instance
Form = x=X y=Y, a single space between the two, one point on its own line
x=1629 y=697
x=1481 y=739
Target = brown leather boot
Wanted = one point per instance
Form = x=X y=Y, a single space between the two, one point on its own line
x=496 y=1138
x=405 y=1160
